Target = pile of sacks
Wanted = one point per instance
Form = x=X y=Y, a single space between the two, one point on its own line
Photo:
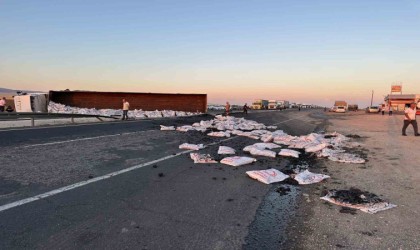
x=329 y=146
x=136 y=113
x=228 y=125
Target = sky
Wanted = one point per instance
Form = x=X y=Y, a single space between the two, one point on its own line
x=310 y=52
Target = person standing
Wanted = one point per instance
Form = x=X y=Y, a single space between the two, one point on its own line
x=389 y=110
x=227 y=108
x=246 y=109
x=2 y=104
x=126 y=107
x=410 y=118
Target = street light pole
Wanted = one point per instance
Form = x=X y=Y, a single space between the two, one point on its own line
x=371 y=99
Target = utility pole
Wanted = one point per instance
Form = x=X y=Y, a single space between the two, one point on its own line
x=371 y=99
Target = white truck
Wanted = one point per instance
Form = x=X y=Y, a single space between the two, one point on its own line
x=33 y=102
x=272 y=104
x=260 y=104
x=278 y=104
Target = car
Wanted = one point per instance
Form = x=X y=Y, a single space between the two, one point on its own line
x=373 y=109
x=340 y=109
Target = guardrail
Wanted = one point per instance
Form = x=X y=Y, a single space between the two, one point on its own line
x=8 y=116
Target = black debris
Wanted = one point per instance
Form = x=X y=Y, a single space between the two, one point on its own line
x=291 y=181
x=353 y=136
x=161 y=174
x=355 y=196
x=283 y=190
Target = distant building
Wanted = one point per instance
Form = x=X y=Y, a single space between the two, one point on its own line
x=399 y=102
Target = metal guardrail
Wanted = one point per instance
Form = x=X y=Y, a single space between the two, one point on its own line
x=10 y=116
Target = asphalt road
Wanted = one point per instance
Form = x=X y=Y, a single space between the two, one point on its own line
x=163 y=202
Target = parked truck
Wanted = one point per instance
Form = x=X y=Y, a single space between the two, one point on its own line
x=353 y=107
x=283 y=104
x=260 y=104
x=272 y=104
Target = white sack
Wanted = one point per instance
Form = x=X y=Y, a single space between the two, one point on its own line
x=267 y=145
x=263 y=152
x=223 y=150
x=219 y=134
x=191 y=146
x=307 y=177
x=346 y=158
x=315 y=147
x=167 y=128
x=267 y=176
x=237 y=160
x=289 y=152
x=202 y=158
x=267 y=138
x=185 y=128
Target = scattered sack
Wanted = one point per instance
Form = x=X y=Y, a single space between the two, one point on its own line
x=191 y=146
x=289 y=152
x=267 y=138
x=167 y=128
x=219 y=134
x=202 y=158
x=261 y=146
x=357 y=199
x=315 y=147
x=327 y=152
x=184 y=128
x=238 y=160
x=307 y=177
x=267 y=176
x=267 y=145
x=263 y=152
x=223 y=150
x=346 y=158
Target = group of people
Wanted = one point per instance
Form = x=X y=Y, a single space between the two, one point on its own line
x=3 y=107
x=227 y=108
x=389 y=109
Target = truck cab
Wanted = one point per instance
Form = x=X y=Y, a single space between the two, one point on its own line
x=260 y=104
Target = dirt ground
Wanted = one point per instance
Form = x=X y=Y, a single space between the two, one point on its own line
x=391 y=171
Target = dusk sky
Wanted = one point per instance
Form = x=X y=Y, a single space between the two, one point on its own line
x=237 y=51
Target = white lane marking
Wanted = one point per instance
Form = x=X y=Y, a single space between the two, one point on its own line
x=83 y=183
x=82 y=139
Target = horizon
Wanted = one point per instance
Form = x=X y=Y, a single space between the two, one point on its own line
x=304 y=52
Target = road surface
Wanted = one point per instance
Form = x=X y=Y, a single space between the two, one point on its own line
x=126 y=185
